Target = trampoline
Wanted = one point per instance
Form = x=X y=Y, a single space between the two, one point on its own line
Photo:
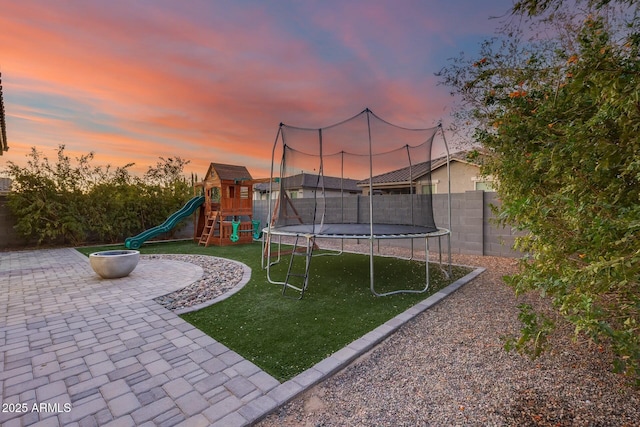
x=357 y=231
x=327 y=205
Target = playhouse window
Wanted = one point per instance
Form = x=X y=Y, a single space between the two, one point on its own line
x=244 y=192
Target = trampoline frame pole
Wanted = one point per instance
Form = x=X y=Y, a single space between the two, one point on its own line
x=371 y=269
x=267 y=263
x=446 y=146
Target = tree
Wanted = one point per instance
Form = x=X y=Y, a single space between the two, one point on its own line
x=71 y=201
x=47 y=198
x=166 y=171
x=558 y=122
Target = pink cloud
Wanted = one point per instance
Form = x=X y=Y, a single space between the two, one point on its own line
x=207 y=81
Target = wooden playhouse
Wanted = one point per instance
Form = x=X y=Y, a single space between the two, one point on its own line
x=226 y=216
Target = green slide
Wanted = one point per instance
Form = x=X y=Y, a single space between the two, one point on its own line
x=137 y=241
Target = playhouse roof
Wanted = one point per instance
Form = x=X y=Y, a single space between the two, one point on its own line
x=229 y=172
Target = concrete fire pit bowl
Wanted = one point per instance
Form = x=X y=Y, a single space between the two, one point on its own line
x=114 y=264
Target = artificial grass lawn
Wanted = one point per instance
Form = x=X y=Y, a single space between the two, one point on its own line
x=286 y=336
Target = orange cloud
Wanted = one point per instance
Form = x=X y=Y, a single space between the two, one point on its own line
x=208 y=81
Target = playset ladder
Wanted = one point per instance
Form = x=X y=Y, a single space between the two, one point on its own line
x=209 y=228
x=307 y=253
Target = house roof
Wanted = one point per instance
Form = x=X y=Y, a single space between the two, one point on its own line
x=414 y=172
x=230 y=172
x=306 y=180
x=399 y=175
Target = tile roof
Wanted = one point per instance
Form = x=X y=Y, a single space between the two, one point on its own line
x=306 y=180
x=400 y=175
x=414 y=171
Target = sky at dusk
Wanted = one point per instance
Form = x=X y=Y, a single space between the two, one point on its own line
x=210 y=80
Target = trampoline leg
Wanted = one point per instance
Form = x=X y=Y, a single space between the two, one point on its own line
x=264 y=253
x=449 y=247
x=400 y=291
x=426 y=261
x=447 y=273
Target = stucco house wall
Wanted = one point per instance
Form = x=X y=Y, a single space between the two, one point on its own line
x=463 y=177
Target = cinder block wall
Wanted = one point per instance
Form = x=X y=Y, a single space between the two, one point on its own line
x=498 y=240
x=473 y=230
x=9 y=238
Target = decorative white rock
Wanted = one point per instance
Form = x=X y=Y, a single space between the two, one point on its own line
x=114 y=264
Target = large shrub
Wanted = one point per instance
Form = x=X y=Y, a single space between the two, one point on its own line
x=557 y=115
x=73 y=202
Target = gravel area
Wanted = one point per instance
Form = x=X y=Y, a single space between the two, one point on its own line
x=219 y=276
x=448 y=367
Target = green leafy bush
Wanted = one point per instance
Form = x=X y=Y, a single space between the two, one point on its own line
x=558 y=120
x=69 y=202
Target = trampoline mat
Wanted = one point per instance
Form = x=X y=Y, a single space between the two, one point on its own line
x=354 y=231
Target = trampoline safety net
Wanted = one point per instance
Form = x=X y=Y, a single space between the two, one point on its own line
x=352 y=175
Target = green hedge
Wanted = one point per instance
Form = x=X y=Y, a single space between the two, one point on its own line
x=73 y=202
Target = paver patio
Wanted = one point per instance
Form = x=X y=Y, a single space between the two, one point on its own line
x=78 y=350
